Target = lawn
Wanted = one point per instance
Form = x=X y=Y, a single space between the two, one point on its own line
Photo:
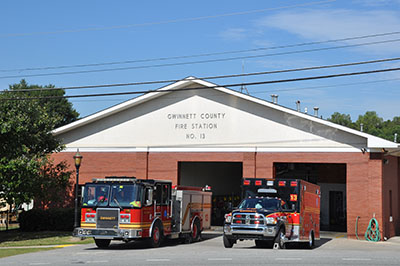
x=14 y=238
x=16 y=251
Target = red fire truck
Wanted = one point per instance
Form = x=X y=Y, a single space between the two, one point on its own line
x=275 y=212
x=132 y=209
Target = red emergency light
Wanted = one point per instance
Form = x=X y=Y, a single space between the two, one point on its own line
x=282 y=183
x=293 y=183
x=258 y=182
x=246 y=182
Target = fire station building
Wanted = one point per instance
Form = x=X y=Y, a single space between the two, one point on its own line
x=196 y=133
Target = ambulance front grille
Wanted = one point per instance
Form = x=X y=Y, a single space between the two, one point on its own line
x=107 y=218
x=242 y=218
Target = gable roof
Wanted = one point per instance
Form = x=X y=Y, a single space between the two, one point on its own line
x=373 y=142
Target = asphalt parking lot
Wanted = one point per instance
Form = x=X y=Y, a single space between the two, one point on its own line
x=331 y=249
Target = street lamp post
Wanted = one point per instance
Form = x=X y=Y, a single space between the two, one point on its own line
x=78 y=159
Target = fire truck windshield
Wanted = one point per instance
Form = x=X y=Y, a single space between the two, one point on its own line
x=269 y=204
x=118 y=195
x=96 y=195
x=125 y=196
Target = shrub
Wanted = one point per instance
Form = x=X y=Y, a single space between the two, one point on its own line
x=47 y=220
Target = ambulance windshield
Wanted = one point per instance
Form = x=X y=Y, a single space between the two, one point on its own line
x=269 y=204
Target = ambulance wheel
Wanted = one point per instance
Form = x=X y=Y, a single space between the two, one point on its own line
x=228 y=243
x=196 y=231
x=279 y=241
x=311 y=241
x=102 y=243
x=156 y=236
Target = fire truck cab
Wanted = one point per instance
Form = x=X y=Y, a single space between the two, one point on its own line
x=275 y=212
x=133 y=209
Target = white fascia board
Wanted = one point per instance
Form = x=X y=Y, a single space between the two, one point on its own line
x=214 y=149
x=120 y=107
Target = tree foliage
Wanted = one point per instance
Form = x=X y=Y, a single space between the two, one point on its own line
x=26 y=140
x=370 y=123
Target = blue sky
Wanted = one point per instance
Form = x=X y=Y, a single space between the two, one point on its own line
x=64 y=33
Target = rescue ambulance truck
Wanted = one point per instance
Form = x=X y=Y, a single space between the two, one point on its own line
x=275 y=212
x=130 y=209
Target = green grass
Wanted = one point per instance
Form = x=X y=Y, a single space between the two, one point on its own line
x=15 y=238
x=16 y=251
x=10 y=226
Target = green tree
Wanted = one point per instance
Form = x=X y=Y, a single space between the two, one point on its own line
x=26 y=140
x=59 y=107
x=341 y=119
x=390 y=128
x=371 y=122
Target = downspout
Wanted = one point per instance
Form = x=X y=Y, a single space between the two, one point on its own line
x=255 y=163
x=147 y=163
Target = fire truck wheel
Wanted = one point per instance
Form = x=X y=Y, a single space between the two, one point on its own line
x=156 y=236
x=196 y=231
x=228 y=243
x=102 y=243
x=279 y=241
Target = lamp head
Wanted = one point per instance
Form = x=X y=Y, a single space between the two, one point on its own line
x=78 y=159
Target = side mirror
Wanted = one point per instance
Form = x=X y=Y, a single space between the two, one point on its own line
x=149 y=199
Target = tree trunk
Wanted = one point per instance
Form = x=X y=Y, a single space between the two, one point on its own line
x=7 y=219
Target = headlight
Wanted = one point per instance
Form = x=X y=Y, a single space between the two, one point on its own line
x=228 y=218
x=271 y=220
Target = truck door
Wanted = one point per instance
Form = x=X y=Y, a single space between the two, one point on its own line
x=163 y=205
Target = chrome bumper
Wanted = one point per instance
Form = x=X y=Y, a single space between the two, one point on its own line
x=268 y=231
x=107 y=233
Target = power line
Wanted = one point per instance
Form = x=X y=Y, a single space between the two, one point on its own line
x=214 y=77
x=166 y=21
x=200 y=62
x=211 y=87
x=328 y=86
x=284 y=90
x=203 y=54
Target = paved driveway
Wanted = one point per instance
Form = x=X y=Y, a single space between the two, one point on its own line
x=332 y=249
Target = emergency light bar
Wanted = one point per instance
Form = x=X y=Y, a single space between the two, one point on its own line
x=267 y=190
x=130 y=180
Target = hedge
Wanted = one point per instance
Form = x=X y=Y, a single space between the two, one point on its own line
x=47 y=220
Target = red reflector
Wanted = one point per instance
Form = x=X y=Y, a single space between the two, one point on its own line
x=238 y=216
x=293 y=184
x=282 y=183
x=258 y=182
x=246 y=182
x=238 y=222
x=256 y=222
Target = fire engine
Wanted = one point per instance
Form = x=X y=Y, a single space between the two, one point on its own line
x=130 y=209
x=275 y=212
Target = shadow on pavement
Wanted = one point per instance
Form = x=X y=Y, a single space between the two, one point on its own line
x=141 y=244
